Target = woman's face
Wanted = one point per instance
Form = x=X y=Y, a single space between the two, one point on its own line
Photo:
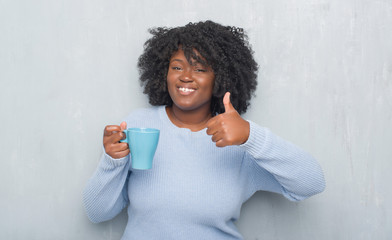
x=190 y=86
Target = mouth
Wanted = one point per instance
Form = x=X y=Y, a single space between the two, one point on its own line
x=185 y=91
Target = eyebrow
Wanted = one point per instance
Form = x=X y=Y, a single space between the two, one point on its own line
x=176 y=59
x=180 y=60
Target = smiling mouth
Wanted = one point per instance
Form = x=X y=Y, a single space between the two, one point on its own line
x=186 y=90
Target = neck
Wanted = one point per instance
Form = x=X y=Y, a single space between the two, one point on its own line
x=195 y=120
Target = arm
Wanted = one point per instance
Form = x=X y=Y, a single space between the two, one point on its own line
x=106 y=192
x=275 y=164
x=281 y=166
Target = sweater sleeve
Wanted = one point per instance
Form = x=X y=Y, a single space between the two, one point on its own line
x=105 y=194
x=277 y=165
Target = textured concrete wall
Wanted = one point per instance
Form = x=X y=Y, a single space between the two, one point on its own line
x=68 y=68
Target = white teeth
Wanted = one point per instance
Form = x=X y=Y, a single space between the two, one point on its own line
x=186 y=89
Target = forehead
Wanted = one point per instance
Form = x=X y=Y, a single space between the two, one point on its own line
x=194 y=58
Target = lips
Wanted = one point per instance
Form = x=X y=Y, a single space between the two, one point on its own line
x=185 y=90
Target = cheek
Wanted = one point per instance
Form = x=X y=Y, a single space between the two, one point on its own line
x=170 y=85
x=169 y=80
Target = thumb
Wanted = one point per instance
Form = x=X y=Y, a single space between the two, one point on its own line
x=123 y=125
x=226 y=101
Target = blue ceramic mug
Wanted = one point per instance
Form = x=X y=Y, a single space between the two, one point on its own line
x=143 y=143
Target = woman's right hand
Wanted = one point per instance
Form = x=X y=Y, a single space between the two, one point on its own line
x=111 y=141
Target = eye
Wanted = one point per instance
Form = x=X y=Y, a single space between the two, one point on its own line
x=201 y=70
x=176 y=68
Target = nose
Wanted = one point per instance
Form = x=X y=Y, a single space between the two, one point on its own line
x=186 y=76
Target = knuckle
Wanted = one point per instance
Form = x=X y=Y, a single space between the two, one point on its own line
x=108 y=141
x=118 y=155
x=108 y=128
x=106 y=145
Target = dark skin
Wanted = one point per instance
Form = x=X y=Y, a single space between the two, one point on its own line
x=190 y=87
x=228 y=128
x=111 y=141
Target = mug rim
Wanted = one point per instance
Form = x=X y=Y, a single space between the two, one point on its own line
x=143 y=130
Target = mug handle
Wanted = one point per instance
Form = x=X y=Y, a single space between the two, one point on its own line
x=126 y=136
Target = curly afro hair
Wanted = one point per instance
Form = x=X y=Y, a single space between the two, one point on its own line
x=224 y=48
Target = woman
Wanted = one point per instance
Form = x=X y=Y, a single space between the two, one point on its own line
x=209 y=160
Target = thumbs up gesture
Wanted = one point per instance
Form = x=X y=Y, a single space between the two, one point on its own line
x=228 y=128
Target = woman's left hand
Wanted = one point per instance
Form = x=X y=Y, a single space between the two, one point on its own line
x=228 y=128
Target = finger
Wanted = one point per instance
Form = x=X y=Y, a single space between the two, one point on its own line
x=221 y=143
x=217 y=137
x=211 y=131
x=114 y=138
x=215 y=121
x=110 y=129
x=227 y=103
x=210 y=126
x=119 y=147
x=123 y=125
x=213 y=128
x=121 y=154
x=119 y=136
x=211 y=121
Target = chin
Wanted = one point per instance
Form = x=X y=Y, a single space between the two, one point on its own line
x=185 y=107
x=191 y=107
